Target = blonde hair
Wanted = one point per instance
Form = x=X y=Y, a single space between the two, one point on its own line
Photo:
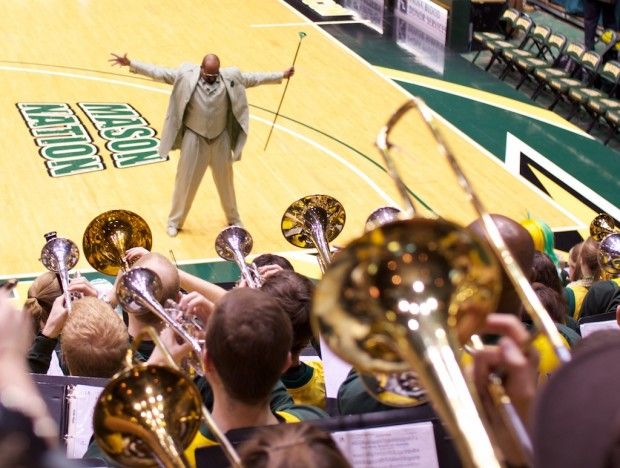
x=41 y=295
x=94 y=339
x=299 y=445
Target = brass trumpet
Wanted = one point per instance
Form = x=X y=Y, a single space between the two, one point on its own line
x=314 y=221
x=59 y=255
x=110 y=235
x=234 y=244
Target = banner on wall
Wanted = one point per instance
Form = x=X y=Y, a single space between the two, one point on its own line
x=368 y=10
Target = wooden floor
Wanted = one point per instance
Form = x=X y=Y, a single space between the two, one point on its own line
x=56 y=51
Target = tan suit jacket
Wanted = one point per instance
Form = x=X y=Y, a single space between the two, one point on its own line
x=184 y=79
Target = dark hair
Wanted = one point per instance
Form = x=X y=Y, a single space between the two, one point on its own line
x=248 y=339
x=294 y=294
x=553 y=302
x=545 y=272
x=272 y=259
x=292 y=446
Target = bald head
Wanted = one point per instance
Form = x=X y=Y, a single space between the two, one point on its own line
x=210 y=68
x=521 y=245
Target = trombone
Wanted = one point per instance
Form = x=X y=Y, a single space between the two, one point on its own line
x=139 y=289
x=313 y=222
x=234 y=244
x=59 y=255
x=108 y=236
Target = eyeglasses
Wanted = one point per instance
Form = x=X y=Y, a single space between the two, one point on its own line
x=210 y=75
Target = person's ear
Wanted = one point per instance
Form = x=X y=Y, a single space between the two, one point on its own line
x=287 y=363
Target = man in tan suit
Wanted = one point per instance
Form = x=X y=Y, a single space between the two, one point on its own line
x=208 y=120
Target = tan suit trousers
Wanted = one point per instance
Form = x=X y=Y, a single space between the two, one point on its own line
x=198 y=153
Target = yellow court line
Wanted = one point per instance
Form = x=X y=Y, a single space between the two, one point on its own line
x=518 y=107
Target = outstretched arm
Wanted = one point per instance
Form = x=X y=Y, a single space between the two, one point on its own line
x=165 y=75
x=250 y=79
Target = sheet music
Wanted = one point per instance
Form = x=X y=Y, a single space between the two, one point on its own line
x=335 y=369
x=82 y=399
x=404 y=445
x=590 y=327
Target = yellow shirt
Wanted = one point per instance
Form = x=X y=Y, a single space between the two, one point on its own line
x=313 y=391
x=579 y=291
x=202 y=440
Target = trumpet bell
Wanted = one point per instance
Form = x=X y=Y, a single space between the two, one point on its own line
x=147 y=415
x=609 y=254
x=231 y=238
x=381 y=216
x=59 y=253
x=138 y=288
x=110 y=235
x=601 y=226
x=393 y=280
x=304 y=214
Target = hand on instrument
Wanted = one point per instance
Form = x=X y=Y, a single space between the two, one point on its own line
x=267 y=270
x=123 y=60
x=177 y=348
x=134 y=254
x=56 y=320
x=196 y=304
x=81 y=287
x=288 y=72
x=516 y=364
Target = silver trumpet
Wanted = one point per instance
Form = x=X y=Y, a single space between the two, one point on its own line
x=314 y=221
x=234 y=244
x=60 y=255
x=609 y=255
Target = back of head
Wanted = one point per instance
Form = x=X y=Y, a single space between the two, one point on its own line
x=248 y=339
x=544 y=271
x=169 y=276
x=292 y=446
x=165 y=269
x=272 y=259
x=94 y=339
x=576 y=419
x=588 y=259
x=520 y=244
x=41 y=295
x=553 y=302
x=574 y=259
x=294 y=294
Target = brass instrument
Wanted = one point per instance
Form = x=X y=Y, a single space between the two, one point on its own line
x=408 y=294
x=139 y=289
x=313 y=222
x=60 y=255
x=381 y=216
x=110 y=235
x=609 y=255
x=603 y=225
x=147 y=415
x=400 y=390
x=234 y=244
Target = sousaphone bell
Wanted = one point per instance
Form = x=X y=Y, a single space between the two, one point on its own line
x=110 y=235
x=313 y=222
